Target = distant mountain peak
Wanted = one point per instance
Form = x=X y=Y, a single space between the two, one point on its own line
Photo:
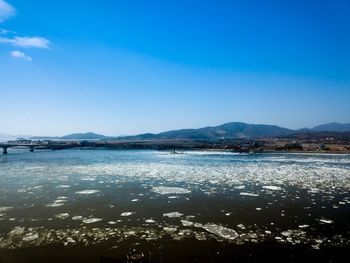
x=333 y=127
x=84 y=136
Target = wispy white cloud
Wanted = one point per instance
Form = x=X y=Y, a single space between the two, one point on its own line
x=10 y=38
x=27 y=42
x=6 y=11
x=20 y=55
x=6 y=32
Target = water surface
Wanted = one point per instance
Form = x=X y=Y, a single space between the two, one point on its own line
x=120 y=199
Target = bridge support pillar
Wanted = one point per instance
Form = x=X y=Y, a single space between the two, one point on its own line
x=4 y=150
x=31 y=149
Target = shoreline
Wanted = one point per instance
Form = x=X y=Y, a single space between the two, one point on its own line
x=181 y=150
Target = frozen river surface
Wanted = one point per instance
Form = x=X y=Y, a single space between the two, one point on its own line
x=90 y=197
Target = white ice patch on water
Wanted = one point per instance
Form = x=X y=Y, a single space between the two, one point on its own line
x=187 y=223
x=88 y=178
x=221 y=231
x=173 y=214
x=165 y=190
x=17 y=231
x=248 y=194
x=5 y=208
x=60 y=201
x=30 y=237
x=269 y=170
x=91 y=220
x=62 y=215
x=127 y=213
x=55 y=204
x=87 y=192
x=170 y=229
x=272 y=187
x=241 y=226
x=326 y=221
x=150 y=221
x=63 y=186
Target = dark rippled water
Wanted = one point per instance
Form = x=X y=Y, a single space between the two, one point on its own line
x=93 y=205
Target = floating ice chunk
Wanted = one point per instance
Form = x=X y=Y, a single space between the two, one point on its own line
x=91 y=220
x=165 y=190
x=173 y=197
x=112 y=222
x=200 y=236
x=151 y=221
x=199 y=225
x=314 y=190
x=54 y=204
x=88 y=178
x=326 y=221
x=258 y=209
x=30 y=237
x=62 y=215
x=135 y=200
x=248 y=194
x=241 y=226
x=303 y=226
x=17 y=231
x=279 y=239
x=77 y=218
x=272 y=187
x=170 y=229
x=127 y=213
x=70 y=240
x=221 y=231
x=5 y=208
x=59 y=202
x=173 y=214
x=239 y=187
x=316 y=247
x=87 y=192
x=187 y=223
x=286 y=233
x=63 y=186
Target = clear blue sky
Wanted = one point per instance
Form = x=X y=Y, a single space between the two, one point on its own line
x=126 y=67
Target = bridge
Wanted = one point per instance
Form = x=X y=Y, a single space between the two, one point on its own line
x=35 y=145
x=31 y=146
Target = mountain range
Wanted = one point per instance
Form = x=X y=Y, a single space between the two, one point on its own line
x=231 y=130
x=333 y=127
x=224 y=131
